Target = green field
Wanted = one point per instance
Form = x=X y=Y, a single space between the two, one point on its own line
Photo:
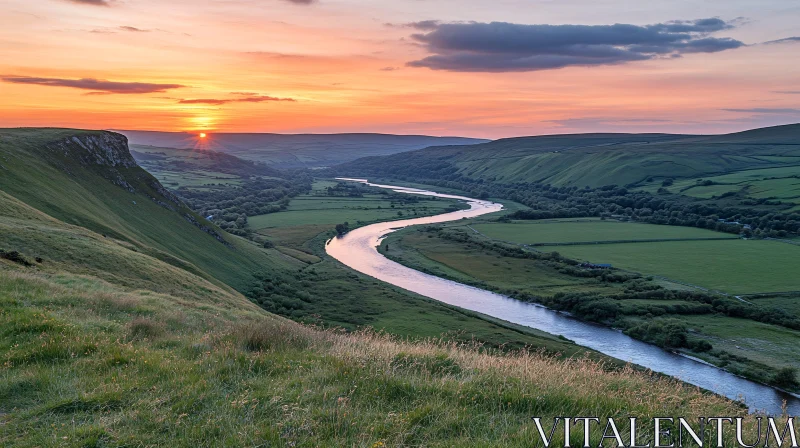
x=316 y=209
x=588 y=230
x=782 y=183
x=735 y=267
x=467 y=264
x=738 y=344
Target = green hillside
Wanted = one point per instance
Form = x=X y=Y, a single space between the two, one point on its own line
x=117 y=328
x=89 y=179
x=600 y=159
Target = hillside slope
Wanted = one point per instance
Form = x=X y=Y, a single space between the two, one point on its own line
x=594 y=159
x=109 y=338
x=298 y=150
x=89 y=179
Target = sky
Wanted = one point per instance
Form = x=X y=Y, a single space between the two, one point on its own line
x=476 y=68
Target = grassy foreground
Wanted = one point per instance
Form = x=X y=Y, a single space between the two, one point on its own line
x=86 y=363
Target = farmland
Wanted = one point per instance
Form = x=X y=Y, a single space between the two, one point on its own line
x=588 y=230
x=735 y=266
x=317 y=211
x=643 y=306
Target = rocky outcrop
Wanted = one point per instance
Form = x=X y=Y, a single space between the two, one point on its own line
x=99 y=148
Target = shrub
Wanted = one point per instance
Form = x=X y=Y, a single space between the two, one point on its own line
x=786 y=377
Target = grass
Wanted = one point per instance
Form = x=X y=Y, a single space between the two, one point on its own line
x=763 y=343
x=324 y=210
x=73 y=374
x=746 y=347
x=63 y=186
x=735 y=266
x=468 y=264
x=602 y=159
x=588 y=230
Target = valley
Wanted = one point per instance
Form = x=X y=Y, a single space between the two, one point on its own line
x=105 y=264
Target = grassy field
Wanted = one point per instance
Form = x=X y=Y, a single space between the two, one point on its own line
x=735 y=266
x=747 y=347
x=782 y=183
x=86 y=363
x=469 y=263
x=588 y=230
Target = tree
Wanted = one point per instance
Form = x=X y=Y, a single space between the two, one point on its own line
x=786 y=378
x=341 y=229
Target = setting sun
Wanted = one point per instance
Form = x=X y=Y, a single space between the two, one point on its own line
x=202 y=135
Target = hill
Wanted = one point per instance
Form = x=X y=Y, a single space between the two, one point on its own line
x=595 y=160
x=118 y=328
x=89 y=179
x=296 y=150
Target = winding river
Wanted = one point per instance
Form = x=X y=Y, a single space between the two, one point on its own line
x=358 y=250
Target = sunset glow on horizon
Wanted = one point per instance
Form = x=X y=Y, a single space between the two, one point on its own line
x=447 y=67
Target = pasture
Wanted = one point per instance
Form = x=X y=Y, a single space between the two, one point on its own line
x=733 y=266
x=317 y=209
x=588 y=230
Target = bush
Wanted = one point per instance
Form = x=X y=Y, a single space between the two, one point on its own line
x=786 y=378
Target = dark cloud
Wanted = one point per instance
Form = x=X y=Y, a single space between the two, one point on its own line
x=787 y=92
x=302 y=2
x=96 y=85
x=509 y=47
x=785 y=40
x=765 y=110
x=389 y=69
x=92 y=2
x=247 y=97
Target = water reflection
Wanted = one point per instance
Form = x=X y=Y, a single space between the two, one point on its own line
x=358 y=250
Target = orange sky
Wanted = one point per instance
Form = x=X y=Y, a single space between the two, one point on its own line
x=341 y=66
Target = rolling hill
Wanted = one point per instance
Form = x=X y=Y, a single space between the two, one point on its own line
x=296 y=151
x=594 y=160
x=90 y=180
x=120 y=325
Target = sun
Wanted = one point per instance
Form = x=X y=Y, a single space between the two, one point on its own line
x=203 y=135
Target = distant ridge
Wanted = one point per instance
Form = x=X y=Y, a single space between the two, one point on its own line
x=593 y=160
x=296 y=150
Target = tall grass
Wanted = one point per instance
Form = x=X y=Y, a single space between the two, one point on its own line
x=203 y=374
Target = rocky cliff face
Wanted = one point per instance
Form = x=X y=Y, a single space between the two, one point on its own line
x=101 y=148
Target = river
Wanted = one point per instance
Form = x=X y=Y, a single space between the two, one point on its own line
x=358 y=250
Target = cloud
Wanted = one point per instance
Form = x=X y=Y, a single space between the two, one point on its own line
x=302 y=2
x=247 y=97
x=509 y=47
x=389 y=69
x=97 y=85
x=785 y=40
x=787 y=92
x=92 y=2
x=764 y=110
x=133 y=29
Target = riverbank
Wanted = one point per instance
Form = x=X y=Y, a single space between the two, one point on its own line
x=368 y=260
